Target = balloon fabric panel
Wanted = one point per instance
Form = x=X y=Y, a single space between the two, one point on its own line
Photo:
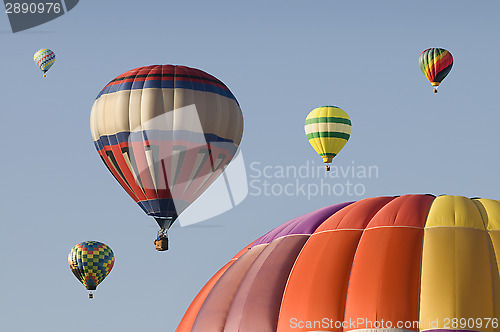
x=456 y=270
x=190 y=315
x=213 y=314
x=490 y=213
x=192 y=312
x=260 y=292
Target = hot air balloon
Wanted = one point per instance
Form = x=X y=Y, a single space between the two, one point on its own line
x=378 y=264
x=91 y=262
x=166 y=133
x=328 y=129
x=44 y=59
x=435 y=63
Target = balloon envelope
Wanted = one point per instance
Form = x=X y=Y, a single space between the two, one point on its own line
x=378 y=262
x=91 y=262
x=44 y=59
x=166 y=133
x=328 y=129
x=435 y=63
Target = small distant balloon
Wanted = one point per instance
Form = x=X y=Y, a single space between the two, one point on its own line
x=44 y=59
x=435 y=63
x=328 y=129
x=91 y=262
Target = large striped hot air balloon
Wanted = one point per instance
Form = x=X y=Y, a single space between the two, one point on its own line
x=44 y=59
x=328 y=128
x=379 y=264
x=166 y=133
x=435 y=63
x=91 y=262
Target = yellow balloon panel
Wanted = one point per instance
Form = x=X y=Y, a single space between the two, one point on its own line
x=456 y=277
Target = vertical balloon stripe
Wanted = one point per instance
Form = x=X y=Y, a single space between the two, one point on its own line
x=261 y=291
x=190 y=315
x=490 y=212
x=456 y=273
x=75 y=263
x=108 y=159
x=149 y=103
x=318 y=283
x=385 y=275
x=212 y=315
x=117 y=160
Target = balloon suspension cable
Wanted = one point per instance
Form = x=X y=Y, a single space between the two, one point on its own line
x=91 y=296
x=162 y=233
x=165 y=222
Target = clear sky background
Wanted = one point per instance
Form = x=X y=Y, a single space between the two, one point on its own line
x=281 y=59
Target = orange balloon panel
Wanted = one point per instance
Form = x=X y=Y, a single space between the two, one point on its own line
x=406 y=263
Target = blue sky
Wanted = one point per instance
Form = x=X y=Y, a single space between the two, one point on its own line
x=280 y=60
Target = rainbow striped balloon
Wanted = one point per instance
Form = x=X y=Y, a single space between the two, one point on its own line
x=91 y=262
x=435 y=63
x=44 y=59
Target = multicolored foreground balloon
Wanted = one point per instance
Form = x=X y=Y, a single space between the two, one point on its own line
x=379 y=264
x=44 y=59
x=328 y=129
x=435 y=63
x=166 y=133
x=91 y=262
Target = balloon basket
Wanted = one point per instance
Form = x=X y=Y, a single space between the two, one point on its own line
x=91 y=296
x=161 y=244
x=435 y=90
x=327 y=168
